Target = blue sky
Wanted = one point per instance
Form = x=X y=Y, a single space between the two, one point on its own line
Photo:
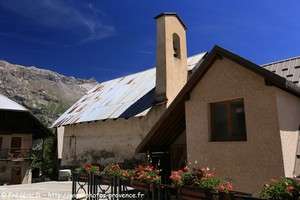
x=105 y=39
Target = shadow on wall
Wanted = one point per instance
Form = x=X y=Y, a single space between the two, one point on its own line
x=93 y=156
x=140 y=105
x=103 y=157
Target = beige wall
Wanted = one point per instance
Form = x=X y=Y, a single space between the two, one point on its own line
x=288 y=107
x=251 y=163
x=171 y=72
x=105 y=141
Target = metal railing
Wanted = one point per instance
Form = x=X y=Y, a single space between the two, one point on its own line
x=96 y=187
x=14 y=154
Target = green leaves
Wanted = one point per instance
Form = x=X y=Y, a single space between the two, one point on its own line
x=281 y=189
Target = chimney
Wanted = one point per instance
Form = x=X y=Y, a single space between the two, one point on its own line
x=171 y=57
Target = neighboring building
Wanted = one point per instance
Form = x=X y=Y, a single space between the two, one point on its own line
x=236 y=117
x=111 y=120
x=18 y=129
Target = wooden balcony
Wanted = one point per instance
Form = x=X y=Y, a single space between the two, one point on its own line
x=15 y=154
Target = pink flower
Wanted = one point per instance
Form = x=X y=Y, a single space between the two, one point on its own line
x=225 y=187
x=185 y=169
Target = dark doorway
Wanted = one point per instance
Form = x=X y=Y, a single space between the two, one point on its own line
x=161 y=160
x=178 y=156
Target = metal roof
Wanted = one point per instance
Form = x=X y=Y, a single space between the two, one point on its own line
x=288 y=68
x=7 y=104
x=124 y=97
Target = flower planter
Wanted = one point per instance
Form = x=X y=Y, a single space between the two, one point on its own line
x=193 y=193
x=125 y=182
x=141 y=186
x=225 y=196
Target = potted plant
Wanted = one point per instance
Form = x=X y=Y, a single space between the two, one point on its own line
x=83 y=172
x=200 y=183
x=145 y=176
x=109 y=173
x=126 y=176
x=279 y=189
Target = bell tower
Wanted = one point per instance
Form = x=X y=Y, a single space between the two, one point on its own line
x=171 y=56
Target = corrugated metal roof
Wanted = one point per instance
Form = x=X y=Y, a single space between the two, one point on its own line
x=124 y=97
x=7 y=104
x=288 y=68
x=193 y=60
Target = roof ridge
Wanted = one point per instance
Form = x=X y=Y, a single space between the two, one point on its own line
x=281 y=61
x=120 y=77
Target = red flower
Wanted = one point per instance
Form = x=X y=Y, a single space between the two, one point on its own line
x=87 y=167
x=290 y=189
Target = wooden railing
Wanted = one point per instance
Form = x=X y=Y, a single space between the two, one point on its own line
x=14 y=154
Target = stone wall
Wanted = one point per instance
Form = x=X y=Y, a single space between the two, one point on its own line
x=106 y=141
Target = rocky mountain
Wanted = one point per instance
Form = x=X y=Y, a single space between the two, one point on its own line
x=46 y=93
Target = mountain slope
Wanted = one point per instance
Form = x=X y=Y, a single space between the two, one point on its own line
x=46 y=93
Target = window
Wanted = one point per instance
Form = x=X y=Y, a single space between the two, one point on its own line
x=228 y=121
x=176 y=45
x=16 y=143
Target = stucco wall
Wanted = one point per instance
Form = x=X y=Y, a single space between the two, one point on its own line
x=289 y=120
x=105 y=141
x=171 y=73
x=250 y=163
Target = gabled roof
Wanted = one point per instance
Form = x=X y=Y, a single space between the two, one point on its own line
x=18 y=118
x=288 y=68
x=124 y=97
x=160 y=136
x=7 y=104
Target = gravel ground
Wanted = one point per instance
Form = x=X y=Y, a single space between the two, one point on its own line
x=37 y=191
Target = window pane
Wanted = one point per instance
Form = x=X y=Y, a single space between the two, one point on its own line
x=228 y=121
x=219 y=122
x=238 y=130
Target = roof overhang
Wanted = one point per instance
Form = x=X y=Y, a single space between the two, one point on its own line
x=172 y=14
x=19 y=121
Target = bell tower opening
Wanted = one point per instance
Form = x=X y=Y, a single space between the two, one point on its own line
x=176 y=46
